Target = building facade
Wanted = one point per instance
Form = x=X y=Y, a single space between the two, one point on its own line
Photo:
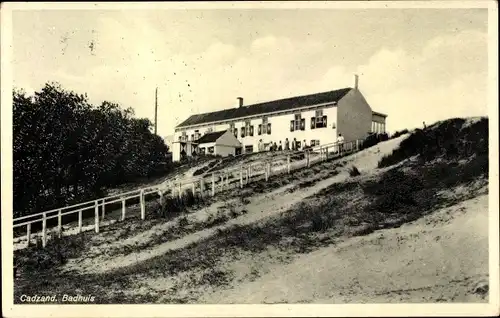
x=317 y=119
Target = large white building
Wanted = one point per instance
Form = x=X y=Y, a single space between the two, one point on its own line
x=317 y=118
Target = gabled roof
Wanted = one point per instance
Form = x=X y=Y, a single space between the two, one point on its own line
x=267 y=107
x=210 y=137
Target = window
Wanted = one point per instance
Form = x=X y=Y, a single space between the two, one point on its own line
x=209 y=130
x=319 y=120
x=202 y=150
x=192 y=137
x=242 y=132
x=248 y=128
x=314 y=143
x=249 y=149
x=197 y=134
x=298 y=123
x=264 y=128
x=231 y=127
x=184 y=136
x=211 y=150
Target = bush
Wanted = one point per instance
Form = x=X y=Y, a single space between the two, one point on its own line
x=373 y=139
x=399 y=133
x=353 y=171
x=173 y=204
x=86 y=149
x=449 y=139
x=394 y=191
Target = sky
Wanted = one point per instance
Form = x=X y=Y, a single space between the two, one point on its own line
x=414 y=64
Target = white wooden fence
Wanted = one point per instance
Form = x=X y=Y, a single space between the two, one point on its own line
x=206 y=184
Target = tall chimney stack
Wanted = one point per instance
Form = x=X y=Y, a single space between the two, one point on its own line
x=240 y=99
x=356 y=80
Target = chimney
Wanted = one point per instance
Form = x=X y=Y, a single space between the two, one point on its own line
x=240 y=99
x=356 y=80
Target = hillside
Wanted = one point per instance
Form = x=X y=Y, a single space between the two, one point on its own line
x=408 y=224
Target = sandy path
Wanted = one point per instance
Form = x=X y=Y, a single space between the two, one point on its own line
x=259 y=208
x=444 y=254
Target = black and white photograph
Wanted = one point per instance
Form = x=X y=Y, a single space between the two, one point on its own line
x=294 y=154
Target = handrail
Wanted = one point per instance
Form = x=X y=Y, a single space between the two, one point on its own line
x=161 y=188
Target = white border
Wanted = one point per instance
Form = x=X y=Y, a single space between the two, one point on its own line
x=10 y=310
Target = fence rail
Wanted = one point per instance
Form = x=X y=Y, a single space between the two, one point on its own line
x=211 y=181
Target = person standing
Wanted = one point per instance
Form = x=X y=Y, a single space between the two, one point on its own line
x=287 y=144
x=280 y=147
x=340 y=142
x=294 y=144
x=260 y=146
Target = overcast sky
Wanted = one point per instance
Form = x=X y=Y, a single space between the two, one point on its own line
x=414 y=64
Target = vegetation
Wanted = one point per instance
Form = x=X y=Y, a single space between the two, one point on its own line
x=353 y=171
x=399 y=133
x=66 y=150
x=373 y=139
x=452 y=139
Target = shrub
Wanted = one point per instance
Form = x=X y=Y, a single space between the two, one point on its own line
x=353 y=171
x=373 y=139
x=399 y=133
x=394 y=191
x=176 y=204
x=449 y=139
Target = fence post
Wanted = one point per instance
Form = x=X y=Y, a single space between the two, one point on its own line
x=124 y=208
x=28 y=235
x=103 y=209
x=213 y=184
x=59 y=223
x=307 y=159
x=194 y=187
x=326 y=153
x=266 y=172
x=202 y=185
x=180 y=190
x=241 y=176
x=96 y=212
x=288 y=163
x=143 y=206
x=248 y=175
x=80 y=218
x=44 y=230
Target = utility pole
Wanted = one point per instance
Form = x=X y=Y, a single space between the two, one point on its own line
x=156 y=109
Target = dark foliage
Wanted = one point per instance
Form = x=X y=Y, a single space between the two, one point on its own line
x=353 y=171
x=448 y=139
x=176 y=204
x=399 y=133
x=66 y=150
x=373 y=139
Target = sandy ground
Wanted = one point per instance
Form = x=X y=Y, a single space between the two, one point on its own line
x=444 y=254
x=259 y=208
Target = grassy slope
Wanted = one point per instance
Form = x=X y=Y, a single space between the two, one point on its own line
x=240 y=254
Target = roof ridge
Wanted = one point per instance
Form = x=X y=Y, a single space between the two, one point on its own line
x=266 y=107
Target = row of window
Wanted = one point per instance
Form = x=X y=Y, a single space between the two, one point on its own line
x=378 y=127
x=299 y=123
x=248 y=130
x=209 y=150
